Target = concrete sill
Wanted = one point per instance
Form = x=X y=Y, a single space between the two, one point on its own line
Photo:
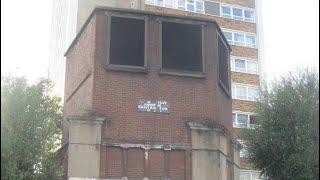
x=193 y=74
x=126 y=68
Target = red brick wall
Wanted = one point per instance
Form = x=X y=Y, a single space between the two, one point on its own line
x=115 y=95
x=62 y=154
x=114 y=162
x=135 y=163
x=177 y=165
x=79 y=76
x=156 y=164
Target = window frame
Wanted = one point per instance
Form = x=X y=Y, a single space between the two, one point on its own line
x=221 y=84
x=228 y=16
x=234 y=92
x=184 y=7
x=189 y=3
x=248 y=125
x=249 y=19
x=162 y=4
x=169 y=5
x=150 y=2
x=250 y=44
x=238 y=18
x=166 y=71
x=119 y=67
x=239 y=43
x=246 y=60
x=245 y=34
x=245 y=153
x=221 y=5
x=203 y=8
x=215 y=2
x=251 y=172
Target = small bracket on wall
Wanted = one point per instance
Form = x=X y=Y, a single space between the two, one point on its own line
x=167 y=147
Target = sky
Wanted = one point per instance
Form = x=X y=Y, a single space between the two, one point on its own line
x=291 y=36
x=25 y=37
x=290 y=30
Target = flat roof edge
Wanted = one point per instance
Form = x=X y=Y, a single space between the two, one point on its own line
x=136 y=11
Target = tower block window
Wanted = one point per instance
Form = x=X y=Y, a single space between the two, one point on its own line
x=127 y=41
x=181 y=46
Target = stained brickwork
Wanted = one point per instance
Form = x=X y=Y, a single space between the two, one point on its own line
x=156 y=164
x=245 y=78
x=244 y=52
x=115 y=94
x=245 y=106
x=114 y=164
x=135 y=163
x=79 y=76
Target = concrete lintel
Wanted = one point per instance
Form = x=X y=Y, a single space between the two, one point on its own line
x=202 y=126
x=86 y=120
x=147 y=146
x=143 y=146
x=81 y=178
x=198 y=126
x=132 y=145
x=212 y=150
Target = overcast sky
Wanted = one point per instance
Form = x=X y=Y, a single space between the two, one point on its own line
x=291 y=36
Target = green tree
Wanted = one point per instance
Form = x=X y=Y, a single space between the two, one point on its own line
x=30 y=130
x=286 y=145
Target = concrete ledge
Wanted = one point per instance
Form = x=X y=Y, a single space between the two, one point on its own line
x=78 y=119
x=208 y=125
x=147 y=146
x=80 y=178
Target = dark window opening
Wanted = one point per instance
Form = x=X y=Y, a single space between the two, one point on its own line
x=127 y=41
x=181 y=46
x=223 y=54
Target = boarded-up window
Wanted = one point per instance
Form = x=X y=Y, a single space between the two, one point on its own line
x=181 y=46
x=135 y=163
x=212 y=8
x=223 y=54
x=114 y=163
x=177 y=165
x=156 y=165
x=127 y=41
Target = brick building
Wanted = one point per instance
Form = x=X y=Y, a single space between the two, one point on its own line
x=148 y=96
x=238 y=21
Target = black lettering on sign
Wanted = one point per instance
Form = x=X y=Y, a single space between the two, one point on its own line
x=156 y=107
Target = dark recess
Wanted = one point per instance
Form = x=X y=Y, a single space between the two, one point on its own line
x=223 y=54
x=181 y=46
x=127 y=41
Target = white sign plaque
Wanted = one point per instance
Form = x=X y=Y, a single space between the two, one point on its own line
x=156 y=107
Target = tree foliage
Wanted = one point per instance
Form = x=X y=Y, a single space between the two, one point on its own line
x=30 y=130
x=286 y=145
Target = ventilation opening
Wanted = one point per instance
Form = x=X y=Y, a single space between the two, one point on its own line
x=181 y=46
x=127 y=41
x=223 y=54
